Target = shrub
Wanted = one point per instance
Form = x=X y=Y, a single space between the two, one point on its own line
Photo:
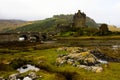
x=5 y=67
x=17 y=63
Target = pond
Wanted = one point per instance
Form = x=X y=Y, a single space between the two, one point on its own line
x=103 y=61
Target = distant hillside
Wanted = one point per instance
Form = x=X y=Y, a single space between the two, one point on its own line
x=113 y=28
x=6 y=25
x=49 y=24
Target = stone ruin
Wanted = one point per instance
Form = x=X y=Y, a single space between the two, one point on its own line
x=79 y=19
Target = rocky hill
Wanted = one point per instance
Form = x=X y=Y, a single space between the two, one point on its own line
x=113 y=28
x=6 y=25
x=49 y=24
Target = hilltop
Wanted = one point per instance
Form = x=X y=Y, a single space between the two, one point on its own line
x=49 y=24
x=6 y=25
x=113 y=28
x=46 y=25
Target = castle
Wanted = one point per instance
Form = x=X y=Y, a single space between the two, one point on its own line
x=79 y=19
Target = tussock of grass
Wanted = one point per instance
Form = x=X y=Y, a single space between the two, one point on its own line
x=45 y=60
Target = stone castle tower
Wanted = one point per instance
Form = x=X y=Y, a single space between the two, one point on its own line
x=79 y=19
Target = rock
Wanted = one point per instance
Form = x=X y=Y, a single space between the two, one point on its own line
x=88 y=68
x=74 y=56
x=32 y=75
x=1 y=78
x=28 y=68
x=90 y=61
x=61 y=55
x=81 y=58
x=98 y=54
x=81 y=66
x=70 y=61
x=61 y=49
x=106 y=65
x=14 y=76
x=74 y=49
x=84 y=58
x=24 y=67
x=40 y=76
x=60 y=61
x=102 y=56
x=27 y=78
x=97 y=69
x=65 y=57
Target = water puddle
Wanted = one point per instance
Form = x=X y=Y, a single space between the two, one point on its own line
x=103 y=61
x=27 y=67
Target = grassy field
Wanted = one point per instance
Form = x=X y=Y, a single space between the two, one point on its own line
x=11 y=60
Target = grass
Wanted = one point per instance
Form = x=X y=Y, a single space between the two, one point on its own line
x=90 y=38
x=50 y=71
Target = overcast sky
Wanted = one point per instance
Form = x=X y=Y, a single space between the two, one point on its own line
x=102 y=11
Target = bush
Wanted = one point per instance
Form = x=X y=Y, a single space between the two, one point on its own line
x=5 y=67
x=17 y=63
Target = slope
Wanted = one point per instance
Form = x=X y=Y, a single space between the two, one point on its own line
x=113 y=28
x=6 y=25
x=49 y=24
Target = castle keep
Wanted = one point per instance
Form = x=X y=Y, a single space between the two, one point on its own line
x=79 y=19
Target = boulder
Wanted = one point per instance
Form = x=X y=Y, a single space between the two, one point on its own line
x=81 y=66
x=75 y=49
x=97 y=69
x=60 y=61
x=1 y=78
x=14 y=76
x=88 y=68
x=72 y=49
x=70 y=61
x=81 y=58
x=61 y=49
x=27 y=78
x=32 y=75
x=84 y=58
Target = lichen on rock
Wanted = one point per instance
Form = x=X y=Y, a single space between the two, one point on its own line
x=81 y=58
